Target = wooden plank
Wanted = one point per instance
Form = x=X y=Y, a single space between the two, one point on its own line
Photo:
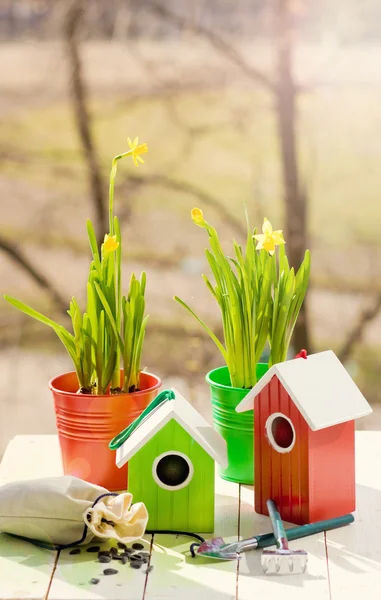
x=27 y=570
x=177 y=575
x=72 y=577
x=253 y=583
x=354 y=552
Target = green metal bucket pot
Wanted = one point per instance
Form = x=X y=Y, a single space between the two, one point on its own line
x=236 y=428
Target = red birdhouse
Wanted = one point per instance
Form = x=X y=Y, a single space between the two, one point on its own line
x=304 y=438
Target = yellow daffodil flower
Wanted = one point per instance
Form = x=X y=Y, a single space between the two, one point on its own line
x=268 y=239
x=110 y=244
x=197 y=216
x=136 y=150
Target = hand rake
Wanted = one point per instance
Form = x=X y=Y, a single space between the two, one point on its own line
x=282 y=558
x=218 y=549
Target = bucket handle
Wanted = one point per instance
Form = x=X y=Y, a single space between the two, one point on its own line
x=119 y=439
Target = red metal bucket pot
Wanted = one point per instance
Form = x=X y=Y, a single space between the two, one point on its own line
x=86 y=424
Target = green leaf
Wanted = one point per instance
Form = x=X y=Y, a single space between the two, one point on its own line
x=110 y=366
x=31 y=312
x=209 y=286
x=100 y=353
x=93 y=243
x=110 y=316
x=64 y=336
x=92 y=306
x=209 y=331
x=278 y=351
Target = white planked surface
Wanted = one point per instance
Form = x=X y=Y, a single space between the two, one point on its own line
x=177 y=575
x=73 y=574
x=28 y=569
x=352 y=569
x=312 y=585
x=354 y=554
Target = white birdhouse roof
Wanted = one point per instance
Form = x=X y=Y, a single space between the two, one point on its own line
x=181 y=411
x=321 y=388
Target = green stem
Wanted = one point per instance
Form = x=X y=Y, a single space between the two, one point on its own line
x=115 y=382
x=114 y=168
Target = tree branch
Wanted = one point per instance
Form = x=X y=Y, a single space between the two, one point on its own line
x=295 y=194
x=18 y=257
x=82 y=116
x=356 y=333
x=219 y=42
x=189 y=188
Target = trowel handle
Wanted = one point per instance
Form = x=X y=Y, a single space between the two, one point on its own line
x=312 y=528
x=276 y=522
x=295 y=533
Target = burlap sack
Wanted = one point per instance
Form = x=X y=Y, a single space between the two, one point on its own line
x=66 y=511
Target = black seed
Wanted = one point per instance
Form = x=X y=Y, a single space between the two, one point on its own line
x=137 y=546
x=149 y=569
x=93 y=549
x=113 y=551
x=135 y=564
x=137 y=556
x=104 y=559
x=94 y=580
x=145 y=556
x=122 y=559
x=110 y=571
x=122 y=546
x=104 y=553
x=75 y=551
x=127 y=552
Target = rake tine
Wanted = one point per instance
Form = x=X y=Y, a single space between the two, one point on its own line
x=282 y=556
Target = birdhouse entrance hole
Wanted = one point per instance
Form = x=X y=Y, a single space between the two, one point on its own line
x=172 y=470
x=280 y=432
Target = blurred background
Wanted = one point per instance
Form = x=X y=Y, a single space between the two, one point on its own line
x=270 y=102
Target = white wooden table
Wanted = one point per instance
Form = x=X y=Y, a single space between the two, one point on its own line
x=343 y=564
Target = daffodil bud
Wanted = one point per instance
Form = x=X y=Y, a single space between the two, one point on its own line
x=197 y=216
x=110 y=244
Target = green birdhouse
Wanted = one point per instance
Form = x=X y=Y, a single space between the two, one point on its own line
x=171 y=452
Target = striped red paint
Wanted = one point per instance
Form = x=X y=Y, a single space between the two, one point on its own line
x=314 y=480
